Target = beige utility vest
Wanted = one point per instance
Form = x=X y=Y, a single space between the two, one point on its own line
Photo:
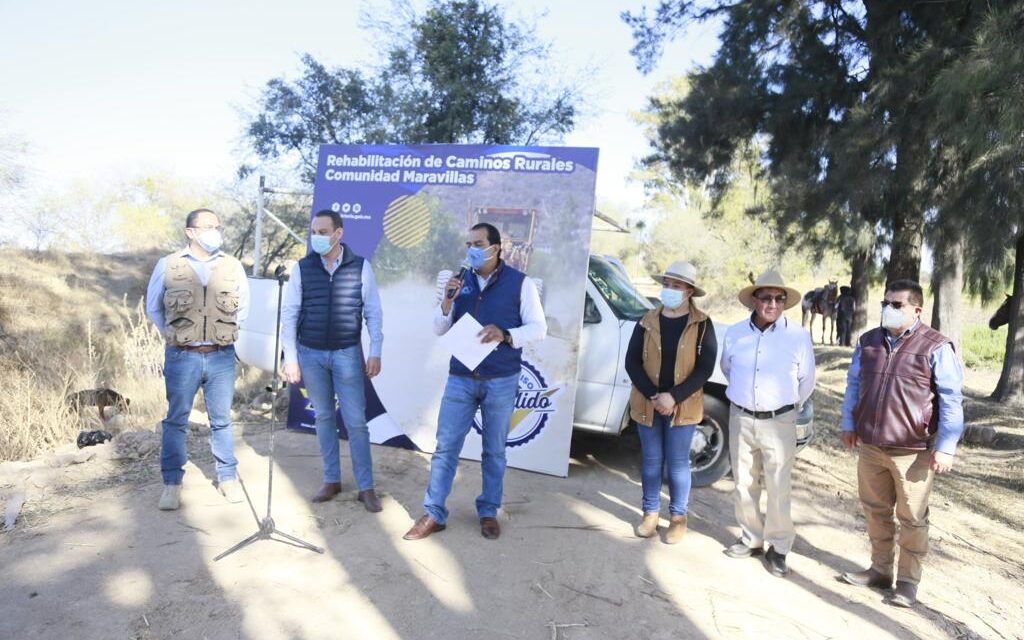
x=195 y=313
x=691 y=409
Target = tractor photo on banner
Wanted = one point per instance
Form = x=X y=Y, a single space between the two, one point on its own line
x=408 y=209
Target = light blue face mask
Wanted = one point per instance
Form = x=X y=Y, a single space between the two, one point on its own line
x=321 y=244
x=476 y=257
x=671 y=298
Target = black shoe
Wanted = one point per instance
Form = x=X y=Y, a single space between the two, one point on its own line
x=775 y=562
x=740 y=550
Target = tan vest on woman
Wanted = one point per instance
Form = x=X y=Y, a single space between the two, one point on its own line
x=691 y=409
x=201 y=314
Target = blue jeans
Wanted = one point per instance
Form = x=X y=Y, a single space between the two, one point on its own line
x=184 y=372
x=662 y=444
x=339 y=373
x=495 y=397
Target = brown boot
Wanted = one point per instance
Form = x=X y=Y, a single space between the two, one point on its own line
x=370 y=500
x=423 y=528
x=905 y=595
x=648 y=526
x=676 y=529
x=327 y=491
x=868 y=578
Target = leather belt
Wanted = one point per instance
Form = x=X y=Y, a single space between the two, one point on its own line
x=764 y=415
x=202 y=348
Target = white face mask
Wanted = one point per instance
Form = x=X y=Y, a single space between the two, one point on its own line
x=892 y=318
x=210 y=240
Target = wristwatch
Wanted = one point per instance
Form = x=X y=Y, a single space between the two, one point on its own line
x=506 y=337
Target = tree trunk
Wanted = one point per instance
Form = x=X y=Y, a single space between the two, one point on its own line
x=905 y=252
x=860 y=280
x=1010 y=389
x=947 y=285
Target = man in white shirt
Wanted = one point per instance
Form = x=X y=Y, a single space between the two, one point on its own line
x=197 y=297
x=331 y=292
x=507 y=304
x=769 y=363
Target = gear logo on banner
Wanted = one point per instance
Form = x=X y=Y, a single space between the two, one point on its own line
x=534 y=402
x=407 y=221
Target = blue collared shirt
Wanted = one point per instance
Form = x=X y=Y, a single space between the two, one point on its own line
x=948 y=376
x=373 y=313
x=202 y=267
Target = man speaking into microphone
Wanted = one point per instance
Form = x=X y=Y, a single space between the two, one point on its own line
x=506 y=303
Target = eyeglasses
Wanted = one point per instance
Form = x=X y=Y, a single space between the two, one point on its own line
x=894 y=304
x=766 y=299
x=217 y=228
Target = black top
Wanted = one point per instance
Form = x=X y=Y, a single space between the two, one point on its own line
x=671 y=332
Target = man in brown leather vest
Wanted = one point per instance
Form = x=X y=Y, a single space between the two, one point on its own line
x=904 y=410
x=197 y=297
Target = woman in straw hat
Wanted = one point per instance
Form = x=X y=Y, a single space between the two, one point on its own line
x=671 y=355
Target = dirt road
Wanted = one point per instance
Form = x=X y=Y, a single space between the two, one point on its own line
x=92 y=557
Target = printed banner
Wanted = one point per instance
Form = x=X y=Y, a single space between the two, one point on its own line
x=408 y=210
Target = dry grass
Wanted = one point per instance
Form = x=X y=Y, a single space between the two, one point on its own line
x=65 y=325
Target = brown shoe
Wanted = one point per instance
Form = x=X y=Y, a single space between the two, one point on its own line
x=489 y=528
x=868 y=578
x=676 y=529
x=905 y=596
x=326 y=492
x=648 y=526
x=423 y=528
x=370 y=500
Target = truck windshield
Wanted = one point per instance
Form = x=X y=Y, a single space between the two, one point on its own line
x=626 y=302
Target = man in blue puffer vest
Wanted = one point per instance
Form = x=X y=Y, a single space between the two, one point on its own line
x=507 y=304
x=330 y=292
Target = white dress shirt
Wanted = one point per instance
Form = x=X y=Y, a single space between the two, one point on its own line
x=291 y=305
x=534 y=327
x=768 y=369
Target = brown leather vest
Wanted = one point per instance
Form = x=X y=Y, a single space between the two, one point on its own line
x=898 y=406
x=195 y=313
x=690 y=410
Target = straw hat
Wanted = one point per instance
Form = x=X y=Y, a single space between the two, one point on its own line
x=684 y=272
x=769 y=279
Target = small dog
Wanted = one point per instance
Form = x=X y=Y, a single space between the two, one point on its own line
x=100 y=398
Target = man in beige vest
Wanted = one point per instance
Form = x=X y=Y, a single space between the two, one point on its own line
x=197 y=297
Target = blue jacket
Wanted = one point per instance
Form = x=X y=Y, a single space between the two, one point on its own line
x=332 y=304
x=497 y=304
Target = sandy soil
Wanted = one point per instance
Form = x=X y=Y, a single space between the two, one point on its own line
x=92 y=557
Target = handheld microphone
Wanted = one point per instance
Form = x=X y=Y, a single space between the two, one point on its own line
x=462 y=276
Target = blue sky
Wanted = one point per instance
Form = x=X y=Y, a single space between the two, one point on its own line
x=110 y=88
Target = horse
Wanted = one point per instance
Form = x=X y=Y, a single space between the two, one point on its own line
x=1002 y=314
x=821 y=301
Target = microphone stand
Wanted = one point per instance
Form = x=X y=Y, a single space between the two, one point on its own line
x=266 y=527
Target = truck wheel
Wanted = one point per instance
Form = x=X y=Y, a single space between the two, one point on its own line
x=709 y=453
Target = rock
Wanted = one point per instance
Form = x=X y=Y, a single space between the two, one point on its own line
x=13 y=508
x=135 y=444
x=67 y=459
x=983 y=435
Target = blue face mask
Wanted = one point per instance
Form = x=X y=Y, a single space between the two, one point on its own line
x=476 y=256
x=671 y=298
x=321 y=244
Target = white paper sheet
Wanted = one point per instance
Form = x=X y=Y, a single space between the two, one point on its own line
x=461 y=340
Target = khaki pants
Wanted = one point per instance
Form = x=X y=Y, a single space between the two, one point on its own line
x=762 y=453
x=897 y=480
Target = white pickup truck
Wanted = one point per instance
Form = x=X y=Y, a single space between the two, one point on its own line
x=613 y=307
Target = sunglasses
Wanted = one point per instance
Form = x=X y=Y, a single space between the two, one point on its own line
x=766 y=299
x=894 y=304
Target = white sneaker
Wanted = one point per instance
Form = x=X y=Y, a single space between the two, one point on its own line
x=170 y=499
x=231 y=490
